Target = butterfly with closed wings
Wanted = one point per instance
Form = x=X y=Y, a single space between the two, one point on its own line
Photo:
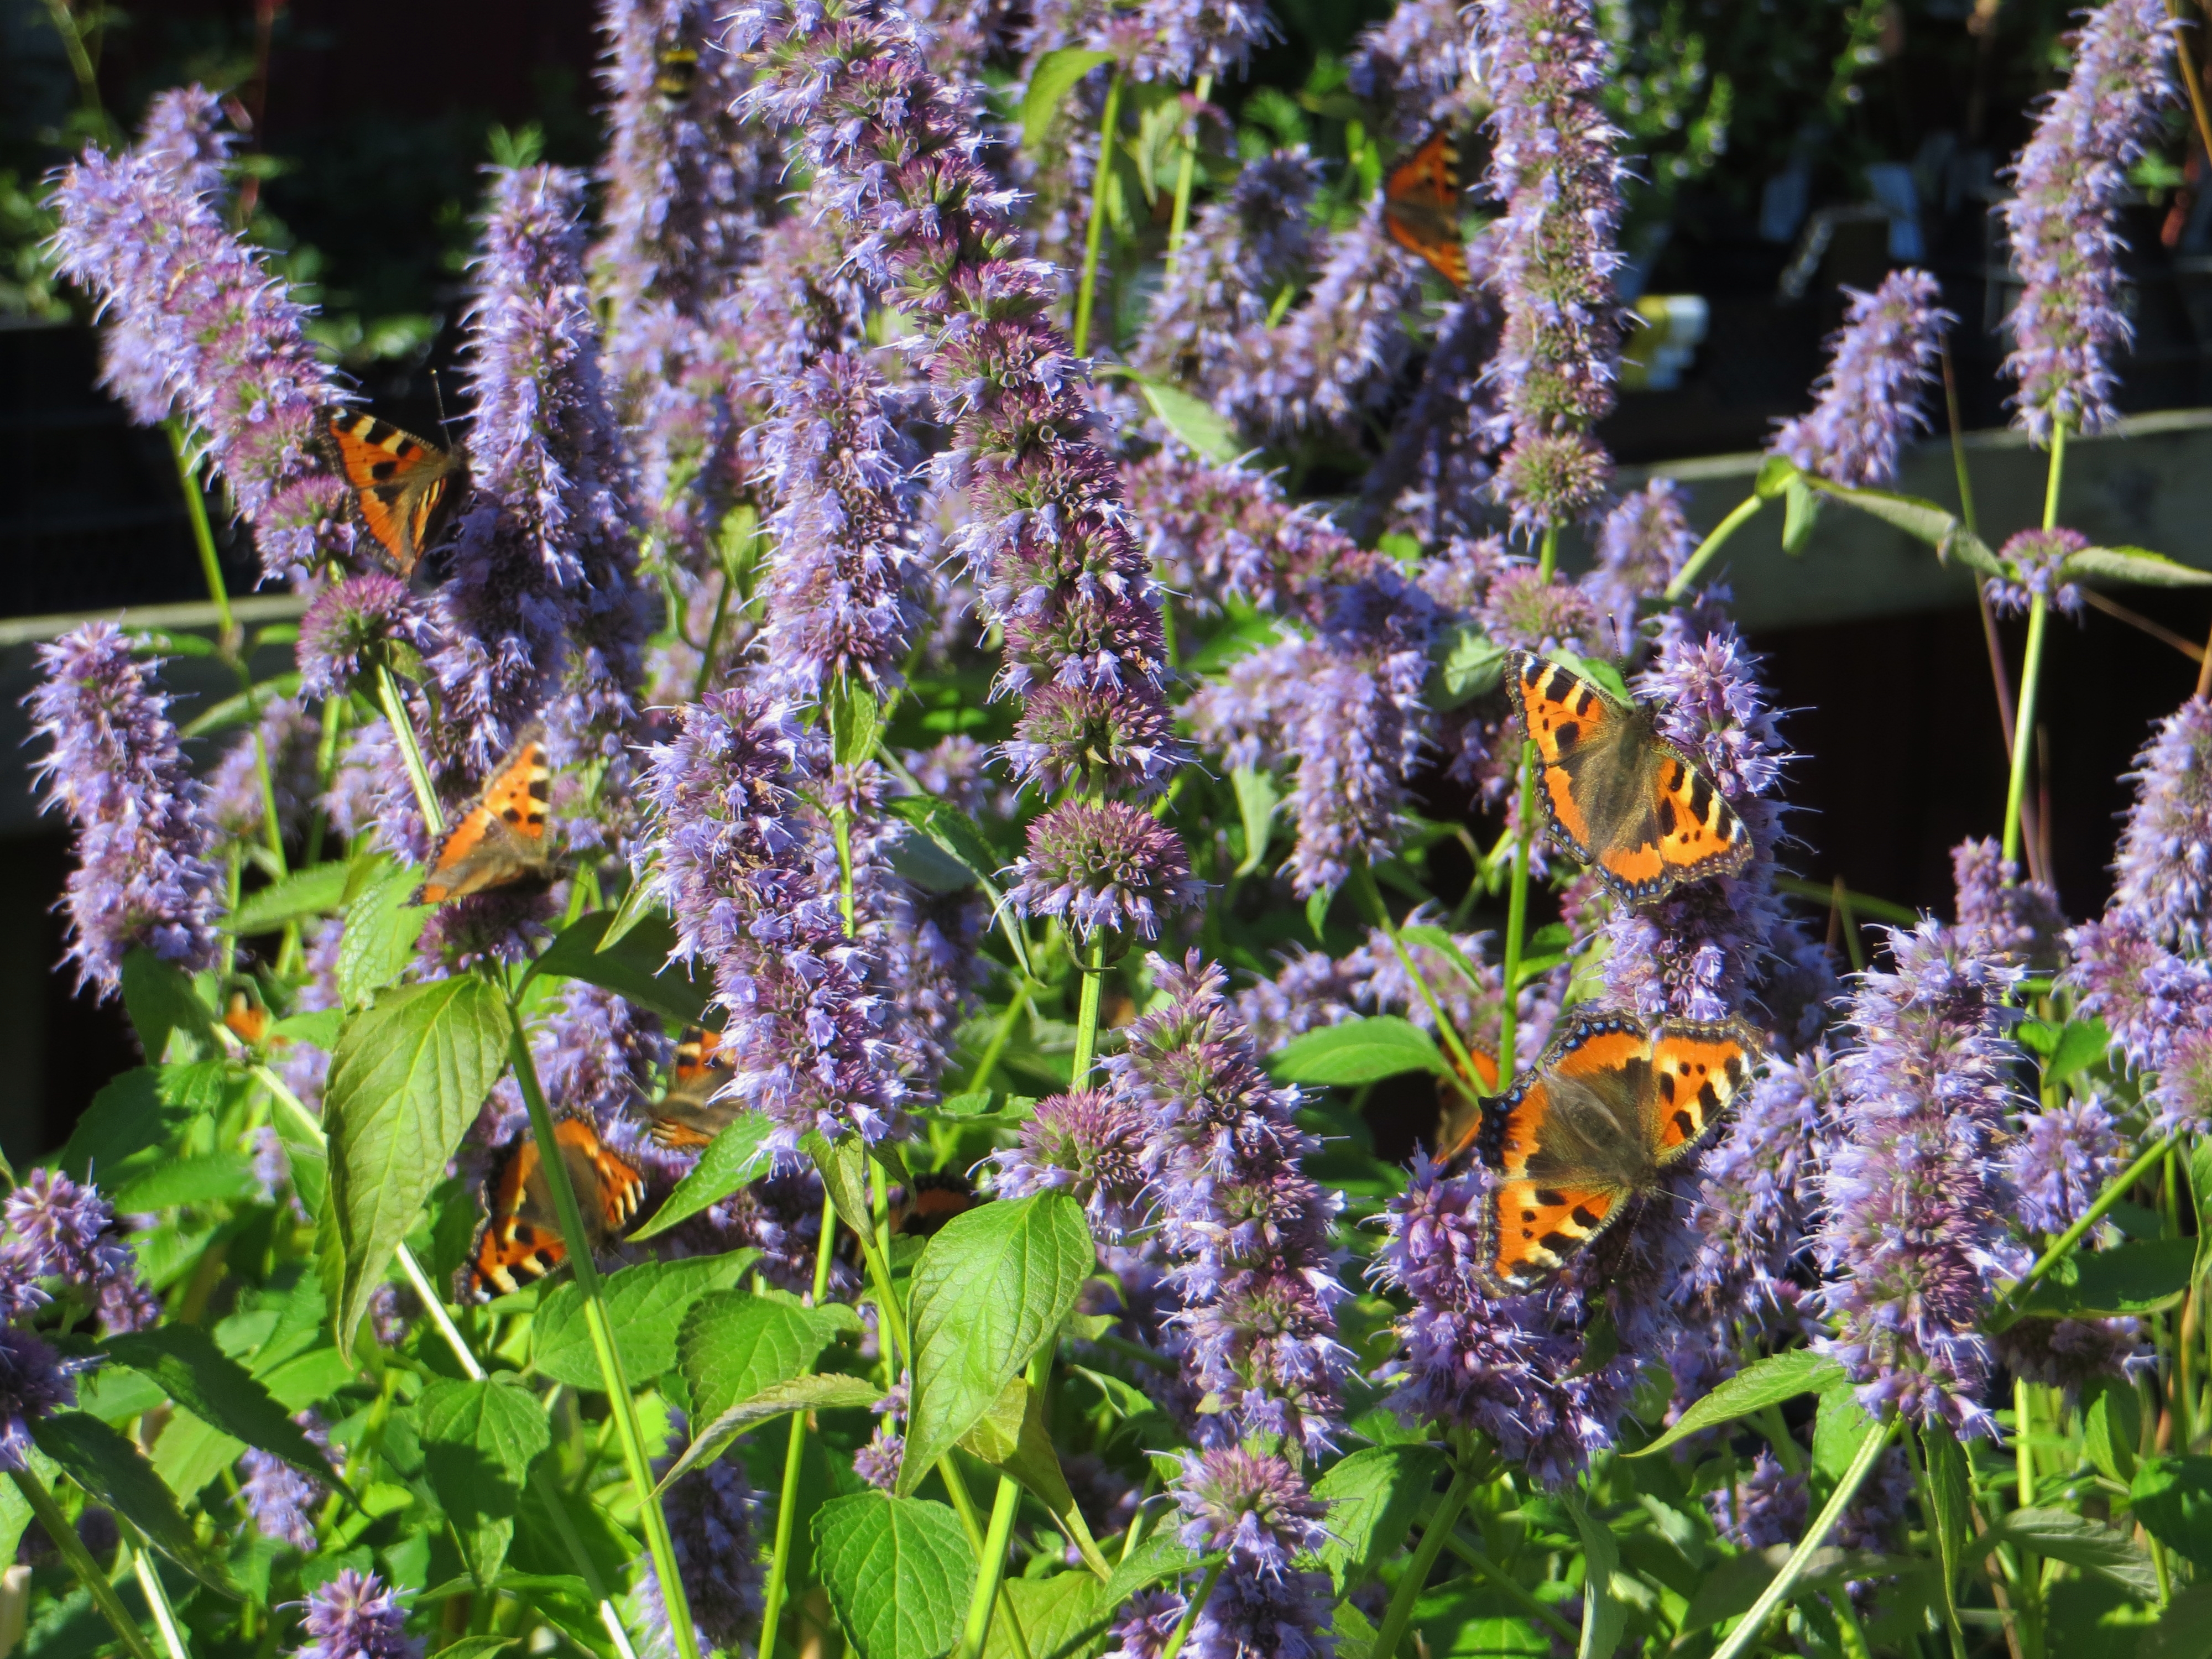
x=519 y=1241
x=1421 y=203
x=499 y=840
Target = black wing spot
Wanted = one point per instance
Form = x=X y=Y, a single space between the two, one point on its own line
x=1667 y=1085
x=1562 y=686
x=1568 y=736
x=1686 y=1124
x=1587 y=701
x=1586 y=1218
x=1559 y=1244
x=1709 y=1098
x=540 y=788
x=1701 y=798
x=1550 y=1199
x=1665 y=817
x=1735 y=1070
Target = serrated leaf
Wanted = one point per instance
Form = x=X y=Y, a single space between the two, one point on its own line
x=1201 y=427
x=1068 y=1616
x=1011 y=1438
x=636 y=967
x=1840 y=1426
x=2111 y=1426
x=956 y=835
x=929 y=866
x=318 y=891
x=1158 y=1555
x=131 y=1122
x=2184 y=1630
x=1763 y=1383
x=643 y=900
x=1373 y=1497
x=898 y=1571
x=1468 y=664
x=113 y=1470
x=1441 y=942
x=2171 y=1496
x=210 y=1178
x=2080 y=1542
x=2133 y=564
x=1951 y=1483
x=2139 y=1277
x=733 y=1345
x=1051 y=81
x=198 y=1376
x=2082 y=1043
x=171 y=1022
x=1360 y=1051
x=855 y=721
x=646 y=1305
x=735 y=1155
x=1257 y=798
x=801 y=1394
x=992 y=1286
x=1923 y=519
x=406 y=1081
x=381 y=929
x=1604 y=1618
x=479 y=1438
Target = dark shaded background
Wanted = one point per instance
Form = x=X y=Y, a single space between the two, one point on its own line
x=380 y=120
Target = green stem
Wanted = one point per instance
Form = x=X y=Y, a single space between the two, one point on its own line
x=157 y=1597
x=1197 y=1605
x=651 y=1516
x=1378 y=914
x=1433 y=1536
x=714 y=637
x=2063 y=1246
x=990 y=1570
x=2023 y=731
x=1516 y=894
x=81 y=64
x=188 y=480
x=81 y=1562
x=410 y=752
x=1184 y=179
x=1711 y=544
x=1515 y=1591
x=1957 y=444
x=1740 y=1639
x=1020 y=1000
x=1086 y=1017
x=795 y=1452
x=2054 y=476
x=1110 y=125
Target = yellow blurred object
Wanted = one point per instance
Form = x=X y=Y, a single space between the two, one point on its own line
x=1653 y=357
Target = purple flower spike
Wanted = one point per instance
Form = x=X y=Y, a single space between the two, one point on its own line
x=1554 y=167
x=1643 y=541
x=2163 y=875
x=63 y=1228
x=1191 y=38
x=1253 y=1504
x=1766 y=1509
x=1111 y=867
x=278 y=1497
x=711 y=1513
x=1089 y=1143
x=33 y=1384
x=2067 y=186
x=142 y=875
x=1915 y=1238
x=1251 y=1614
x=353 y=1616
x=348 y=627
x=2062 y=1161
x=2009 y=920
x=2036 y=558
x=1869 y=397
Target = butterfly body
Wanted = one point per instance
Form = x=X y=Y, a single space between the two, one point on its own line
x=1610 y=1109
x=689 y=1115
x=1620 y=797
x=1420 y=207
x=520 y=1239
x=405 y=487
x=499 y=840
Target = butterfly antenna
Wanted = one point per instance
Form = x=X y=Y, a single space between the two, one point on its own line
x=438 y=391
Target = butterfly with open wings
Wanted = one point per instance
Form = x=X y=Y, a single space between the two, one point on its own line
x=519 y=1241
x=499 y=840
x=404 y=487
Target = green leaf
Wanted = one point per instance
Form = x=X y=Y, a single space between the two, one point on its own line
x=165 y=1010
x=113 y=1470
x=1440 y=941
x=2184 y=1630
x=210 y=1178
x=1159 y=1554
x=1468 y=663
x=991 y=1288
x=1762 y=1383
x=956 y=834
x=898 y=1571
x=406 y=1081
x=2111 y=1427
x=478 y=1439
x=1801 y=511
x=1923 y=519
x=1051 y=81
x=855 y=721
x=1604 y=1618
x=319 y=890
x=1840 y=1426
x=801 y=1394
x=1373 y=1496
x=1011 y=1438
x=733 y=1157
x=309 y=1161
x=2143 y=1276
x=646 y=1305
x=928 y=866
x=843 y=1168
x=1776 y=474
x=1067 y=1616
x=2079 y=1542
x=2080 y=1045
x=1201 y=427
x=733 y=1345
x=207 y=1382
x=1951 y=1482
x=2133 y=564
x=2171 y=1496
x=131 y=1123
x=1257 y=798
x=643 y=900
x=636 y=967
x=1360 y=1051
x=381 y=928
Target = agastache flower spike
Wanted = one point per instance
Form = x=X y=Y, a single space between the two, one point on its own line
x=142 y=875
x=198 y=327
x=2067 y=186
x=1554 y=167
x=1880 y=364
x=710 y=1521
x=354 y=1616
x=2163 y=874
x=1644 y=540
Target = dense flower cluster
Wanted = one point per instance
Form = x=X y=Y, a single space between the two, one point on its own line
x=354 y=1616
x=2162 y=877
x=1880 y=364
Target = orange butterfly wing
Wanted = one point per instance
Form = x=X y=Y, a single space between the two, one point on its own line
x=500 y=838
x=689 y=1114
x=1618 y=797
x=519 y=1240
x=1420 y=207
x=1697 y=1069
x=402 y=487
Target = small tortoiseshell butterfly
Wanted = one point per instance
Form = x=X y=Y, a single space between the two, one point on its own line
x=1611 y=1107
x=1620 y=797
x=935 y=1197
x=519 y=1239
x=1420 y=207
x=500 y=837
x=246 y=1016
x=403 y=488
x=688 y=1115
